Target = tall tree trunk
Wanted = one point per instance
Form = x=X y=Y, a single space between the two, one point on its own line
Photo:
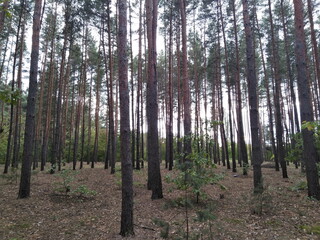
x=57 y=129
x=126 y=163
x=179 y=142
x=170 y=135
x=277 y=77
x=269 y=105
x=314 y=41
x=24 y=189
x=185 y=84
x=89 y=124
x=17 y=117
x=112 y=129
x=233 y=149
x=39 y=119
x=96 y=121
x=9 y=145
x=253 y=101
x=243 y=157
x=154 y=174
x=133 y=137
x=139 y=89
x=309 y=151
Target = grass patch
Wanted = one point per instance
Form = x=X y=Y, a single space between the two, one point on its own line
x=314 y=229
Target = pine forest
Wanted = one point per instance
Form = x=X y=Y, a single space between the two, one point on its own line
x=159 y=119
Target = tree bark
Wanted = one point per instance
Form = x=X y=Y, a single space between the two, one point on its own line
x=24 y=189
x=253 y=101
x=154 y=175
x=277 y=77
x=126 y=163
x=185 y=85
x=306 y=114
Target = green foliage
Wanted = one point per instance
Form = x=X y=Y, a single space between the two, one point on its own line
x=68 y=177
x=84 y=190
x=164 y=227
x=295 y=153
x=12 y=176
x=67 y=184
x=302 y=185
x=314 y=229
x=10 y=97
x=261 y=203
x=195 y=174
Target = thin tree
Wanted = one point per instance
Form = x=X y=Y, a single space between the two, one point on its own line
x=126 y=163
x=185 y=84
x=24 y=189
x=242 y=145
x=278 y=116
x=306 y=113
x=253 y=101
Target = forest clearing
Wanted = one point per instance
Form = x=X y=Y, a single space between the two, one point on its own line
x=286 y=212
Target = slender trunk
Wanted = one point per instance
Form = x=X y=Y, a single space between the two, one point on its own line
x=96 y=121
x=57 y=129
x=126 y=163
x=243 y=157
x=179 y=142
x=253 y=101
x=133 y=137
x=185 y=83
x=269 y=104
x=9 y=145
x=170 y=94
x=17 y=120
x=277 y=77
x=233 y=150
x=139 y=89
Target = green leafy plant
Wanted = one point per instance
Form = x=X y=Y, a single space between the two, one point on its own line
x=195 y=174
x=164 y=227
x=67 y=184
x=302 y=185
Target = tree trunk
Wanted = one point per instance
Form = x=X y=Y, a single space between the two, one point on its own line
x=243 y=157
x=277 y=77
x=96 y=121
x=233 y=150
x=253 y=101
x=309 y=151
x=139 y=89
x=154 y=174
x=24 y=189
x=185 y=84
x=9 y=145
x=126 y=163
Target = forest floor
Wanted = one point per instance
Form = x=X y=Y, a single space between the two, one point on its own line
x=231 y=212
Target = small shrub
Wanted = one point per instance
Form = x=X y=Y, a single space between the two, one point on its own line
x=164 y=227
x=67 y=185
x=300 y=186
x=261 y=203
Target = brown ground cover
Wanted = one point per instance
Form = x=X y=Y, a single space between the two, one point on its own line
x=281 y=212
